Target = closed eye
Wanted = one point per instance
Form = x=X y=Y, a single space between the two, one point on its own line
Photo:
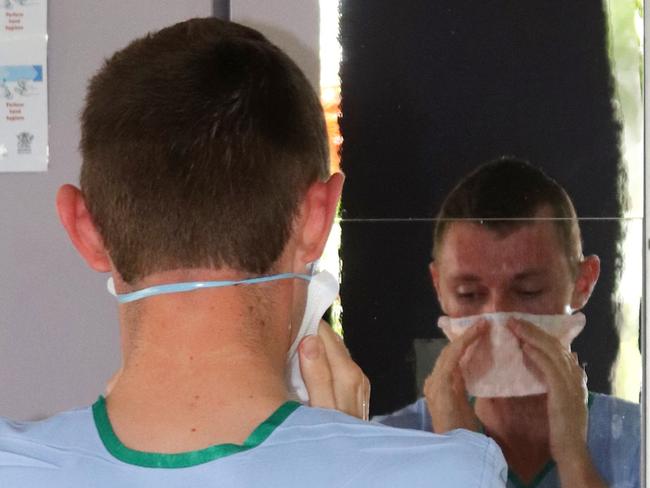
x=468 y=296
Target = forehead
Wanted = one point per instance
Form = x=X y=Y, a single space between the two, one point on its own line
x=472 y=248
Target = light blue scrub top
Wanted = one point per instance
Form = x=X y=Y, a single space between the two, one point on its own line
x=613 y=439
x=296 y=446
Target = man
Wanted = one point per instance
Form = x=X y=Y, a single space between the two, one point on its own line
x=205 y=194
x=507 y=240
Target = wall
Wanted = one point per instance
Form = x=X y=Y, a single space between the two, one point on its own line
x=58 y=331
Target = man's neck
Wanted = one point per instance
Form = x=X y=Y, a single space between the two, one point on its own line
x=520 y=426
x=201 y=368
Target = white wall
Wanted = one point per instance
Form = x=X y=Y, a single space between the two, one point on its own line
x=58 y=331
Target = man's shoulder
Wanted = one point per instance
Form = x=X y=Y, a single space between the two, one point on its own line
x=325 y=420
x=614 y=421
x=341 y=449
x=36 y=442
x=413 y=416
x=457 y=457
x=614 y=438
x=610 y=409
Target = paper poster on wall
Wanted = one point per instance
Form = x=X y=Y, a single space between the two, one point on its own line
x=22 y=18
x=23 y=105
x=23 y=86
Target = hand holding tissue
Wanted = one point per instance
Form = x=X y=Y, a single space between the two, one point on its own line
x=321 y=293
x=495 y=365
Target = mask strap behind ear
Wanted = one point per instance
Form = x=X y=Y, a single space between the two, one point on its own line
x=195 y=285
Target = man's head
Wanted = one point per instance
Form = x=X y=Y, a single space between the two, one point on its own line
x=200 y=145
x=507 y=239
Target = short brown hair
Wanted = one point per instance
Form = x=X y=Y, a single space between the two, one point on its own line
x=198 y=142
x=506 y=194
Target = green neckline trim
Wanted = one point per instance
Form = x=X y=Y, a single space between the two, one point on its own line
x=536 y=481
x=183 y=459
x=547 y=467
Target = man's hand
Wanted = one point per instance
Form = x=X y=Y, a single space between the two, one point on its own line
x=332 y=378
x=444 y=389
x=566 y=403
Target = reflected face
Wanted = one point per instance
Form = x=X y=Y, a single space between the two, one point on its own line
x=479 y=270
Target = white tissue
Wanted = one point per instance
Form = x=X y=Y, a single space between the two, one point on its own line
x=323 y=289
x=494 y=366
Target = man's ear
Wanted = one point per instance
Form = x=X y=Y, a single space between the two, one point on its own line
x=78 y=223
x=588 y=272
x=435 y=279
x=317 y=214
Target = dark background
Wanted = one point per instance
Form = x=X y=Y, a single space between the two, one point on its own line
x=429 y=91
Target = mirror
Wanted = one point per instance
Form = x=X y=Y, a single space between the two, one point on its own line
x=431 y=91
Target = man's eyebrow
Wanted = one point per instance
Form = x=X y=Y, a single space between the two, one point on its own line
x=466 y=277
x=529 y=273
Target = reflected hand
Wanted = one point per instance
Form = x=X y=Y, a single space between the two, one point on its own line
x=332 y=378
x=566 y=404
x=444 y=389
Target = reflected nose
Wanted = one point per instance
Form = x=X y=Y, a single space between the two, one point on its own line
x=498 y=302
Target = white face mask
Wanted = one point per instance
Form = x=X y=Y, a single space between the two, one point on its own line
x=494 y=365
x=323 y=289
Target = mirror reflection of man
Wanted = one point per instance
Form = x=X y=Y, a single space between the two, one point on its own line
x=205 y=166
x=524 y=254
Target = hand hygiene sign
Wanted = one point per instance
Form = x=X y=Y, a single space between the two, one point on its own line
x=23 y=86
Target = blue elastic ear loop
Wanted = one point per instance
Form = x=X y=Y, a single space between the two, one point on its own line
x=195 y=285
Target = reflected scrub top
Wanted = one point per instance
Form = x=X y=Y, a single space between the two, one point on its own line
x=613 y=439
x=296 y=446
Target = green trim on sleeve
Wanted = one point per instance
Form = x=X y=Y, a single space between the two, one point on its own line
x=183 y=459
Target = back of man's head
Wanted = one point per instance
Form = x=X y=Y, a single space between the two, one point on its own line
x=198 y=142
x=505 y=194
